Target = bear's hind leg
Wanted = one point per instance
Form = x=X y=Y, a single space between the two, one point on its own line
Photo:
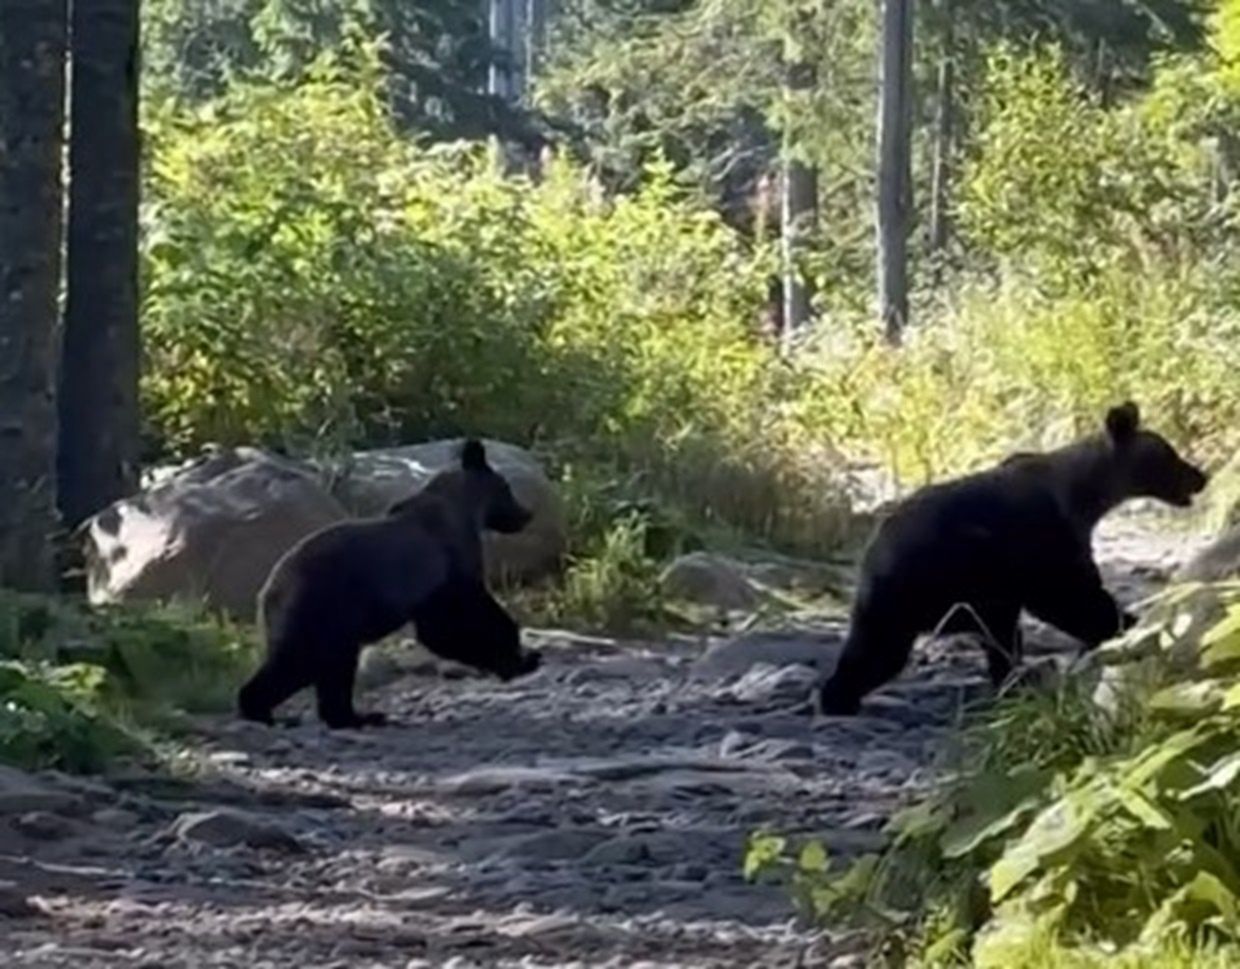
x=334 y=689
x=871 y=657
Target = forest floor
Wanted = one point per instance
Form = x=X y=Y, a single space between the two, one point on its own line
x=593 y=814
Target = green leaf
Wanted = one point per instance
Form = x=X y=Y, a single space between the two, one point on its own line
x=1188 y=700
x=1221 y=643
x=1220 y=776
x=1058 y=830
x=813 y=857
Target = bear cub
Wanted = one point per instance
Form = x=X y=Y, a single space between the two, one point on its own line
x=970 y=554
x=354 y=582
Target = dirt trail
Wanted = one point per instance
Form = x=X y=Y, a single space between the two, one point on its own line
x=590 y=815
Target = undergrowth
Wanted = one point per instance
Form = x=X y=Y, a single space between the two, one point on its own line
x=1076 y=825
x=80 y=686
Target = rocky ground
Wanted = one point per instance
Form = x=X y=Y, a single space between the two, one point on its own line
x=590 y=815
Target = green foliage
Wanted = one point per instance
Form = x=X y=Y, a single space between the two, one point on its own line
x=1073 y=823
x=614 y=586
x=435 y=54
x=73 y=682
x=359 y=287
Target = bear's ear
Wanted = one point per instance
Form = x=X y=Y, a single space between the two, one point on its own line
x=473 y=455
x=1123 y=421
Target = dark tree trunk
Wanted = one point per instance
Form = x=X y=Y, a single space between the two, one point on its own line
x=944 y=137
x=98 y=460
x=894 y=166
x=32 y=99
x=798 y=210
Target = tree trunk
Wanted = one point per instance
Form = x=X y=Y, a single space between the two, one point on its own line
x=944 y=137
x=894 y=165
x=32 y=102
x=798 y=209
x=536 y=38
x=98 y=459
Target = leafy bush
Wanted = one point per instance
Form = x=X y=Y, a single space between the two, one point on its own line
x=1099 y=826
x=359 y=289
x=73 y=682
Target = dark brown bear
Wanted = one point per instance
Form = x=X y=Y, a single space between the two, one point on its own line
x=355 y=582
x=978 y=550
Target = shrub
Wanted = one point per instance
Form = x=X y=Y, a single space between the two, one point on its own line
x=1096 y=829
x=73 y=682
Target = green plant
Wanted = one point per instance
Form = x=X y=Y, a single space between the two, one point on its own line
x=1102 y=828
x=75 y=683
x=614 y=586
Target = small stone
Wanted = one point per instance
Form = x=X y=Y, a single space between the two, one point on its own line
x=733 y=743
x=228 y=828
x=43 y=826
x=13 y=901
x=495 y=779
x=690 y=872
x=735 y=657
x=766 y=684
x=618 y=851
x=118 y=819
x=21 y=792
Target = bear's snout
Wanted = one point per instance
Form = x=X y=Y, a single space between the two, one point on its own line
x=510 y=520
x=1192 y=482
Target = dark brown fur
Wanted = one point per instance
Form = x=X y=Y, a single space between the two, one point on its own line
x=1016 y=537
x=355 y=582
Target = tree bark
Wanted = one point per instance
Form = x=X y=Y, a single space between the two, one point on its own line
x=944 y=137
x=798 y=210
x=894 y=166
x=98 y=460
x=32 y=98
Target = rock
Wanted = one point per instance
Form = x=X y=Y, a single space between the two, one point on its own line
x=492 y=780
x=210 y=531
x=734 y=657
x=21 y=792
x=768 y=684
x=373 y=481
x=625 y=850
x=1218 y=561
x=777 y=749
x=225 y=828
x=561 y=845
x=709 y=580
x=43 y=826
x=14 y=902
x=118 y=819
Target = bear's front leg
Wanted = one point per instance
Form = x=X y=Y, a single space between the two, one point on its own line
x=1076 y=603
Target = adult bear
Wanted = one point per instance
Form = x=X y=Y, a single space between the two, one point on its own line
x=975 y=551
x=352 y=583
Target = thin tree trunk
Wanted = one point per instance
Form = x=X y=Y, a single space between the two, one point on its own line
x=536 y=37
x=32 y=100
x=99 y=367
x=798 y=210
x=894 y=165
x=944 y=137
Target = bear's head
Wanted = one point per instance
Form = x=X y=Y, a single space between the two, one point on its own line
x=1147 y=466
x=476 y=489
x=489 y=493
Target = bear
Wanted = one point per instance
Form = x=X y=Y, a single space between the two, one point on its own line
x=352 y=583
x=971 y=553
